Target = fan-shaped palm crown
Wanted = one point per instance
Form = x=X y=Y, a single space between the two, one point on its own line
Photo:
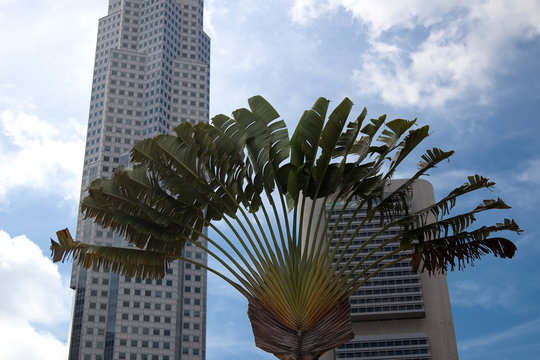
x=246 y=172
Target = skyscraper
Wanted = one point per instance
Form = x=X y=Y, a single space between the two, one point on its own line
x=398 y=313
x=151 y=72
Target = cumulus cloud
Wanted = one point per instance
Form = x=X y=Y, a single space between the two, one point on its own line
x=48 y=50
x=426 y=54
x=36 y=155
x=33 y=297
x=45 y=82
x=305 y=10
x=531 y=173
x=519 y=331
x=209 y=11
x=470 y=293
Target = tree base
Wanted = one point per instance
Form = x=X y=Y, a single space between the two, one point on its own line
x=271 y=336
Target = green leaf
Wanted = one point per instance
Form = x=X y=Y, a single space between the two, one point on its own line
x=235 y=170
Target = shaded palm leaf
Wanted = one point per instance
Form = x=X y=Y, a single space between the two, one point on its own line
x=128 y=262
x=277 y=196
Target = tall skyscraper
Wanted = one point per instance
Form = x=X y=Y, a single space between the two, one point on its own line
x=151 y=72
x=398 y=313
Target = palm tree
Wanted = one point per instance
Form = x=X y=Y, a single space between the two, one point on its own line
x=245 y=172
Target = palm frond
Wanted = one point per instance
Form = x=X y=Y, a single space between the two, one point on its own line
x=458 y=250
x=277 y=196
x=125 y=261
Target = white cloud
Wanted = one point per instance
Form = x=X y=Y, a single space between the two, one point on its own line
x=531 y=173
x=210 y=7
x=36 y=155
x=305 y=10
x=32 y=294
x=505 y=336
x=25 y=343
x=470 y=293
x=47 y=56
x=513 y=181
x=48 y=51
x=425 y=53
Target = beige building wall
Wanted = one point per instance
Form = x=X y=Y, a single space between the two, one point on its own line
x=433 y=323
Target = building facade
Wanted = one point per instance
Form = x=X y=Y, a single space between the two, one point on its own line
x=151 y=72
x=398 y=313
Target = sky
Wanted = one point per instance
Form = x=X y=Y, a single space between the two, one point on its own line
x=467 y=68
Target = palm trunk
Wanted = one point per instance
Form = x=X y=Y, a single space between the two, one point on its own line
x=271 y=336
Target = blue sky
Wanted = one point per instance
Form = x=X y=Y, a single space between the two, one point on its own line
x=469 y=69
